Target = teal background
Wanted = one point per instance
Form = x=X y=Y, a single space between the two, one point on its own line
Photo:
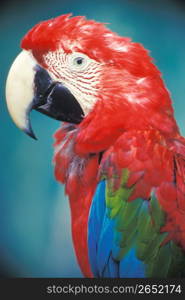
x=35 y=238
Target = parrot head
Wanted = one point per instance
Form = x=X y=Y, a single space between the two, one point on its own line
x=78 y=71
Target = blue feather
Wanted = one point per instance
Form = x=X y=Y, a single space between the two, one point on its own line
x=101 y=243
x=131 y=266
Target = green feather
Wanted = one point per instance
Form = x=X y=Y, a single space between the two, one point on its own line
x=158 y=266
x=177 y=267
x=157 y=213
x=115 y=199
x=138 y=224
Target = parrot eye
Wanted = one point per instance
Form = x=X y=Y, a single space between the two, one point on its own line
x=78 y=61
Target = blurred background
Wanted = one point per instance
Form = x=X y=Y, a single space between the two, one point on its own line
x=35 y=237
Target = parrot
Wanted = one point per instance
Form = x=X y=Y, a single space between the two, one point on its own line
x=118 y=152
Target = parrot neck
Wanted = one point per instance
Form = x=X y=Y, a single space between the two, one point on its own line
x=106 y=123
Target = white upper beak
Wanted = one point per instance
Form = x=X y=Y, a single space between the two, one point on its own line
x=30 y=86
x=20 y=89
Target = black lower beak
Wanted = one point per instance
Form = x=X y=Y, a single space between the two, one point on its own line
x=54 y=99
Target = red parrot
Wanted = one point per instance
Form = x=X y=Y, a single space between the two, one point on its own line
x=118 y=152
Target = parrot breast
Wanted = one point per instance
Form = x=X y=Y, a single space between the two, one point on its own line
x=80 y=177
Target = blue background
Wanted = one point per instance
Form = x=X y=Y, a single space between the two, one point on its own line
x=35 y=238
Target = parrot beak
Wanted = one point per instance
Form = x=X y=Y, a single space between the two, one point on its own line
x=29 y=86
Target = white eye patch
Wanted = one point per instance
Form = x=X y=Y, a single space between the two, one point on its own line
x=78 y=61
x=77 y=72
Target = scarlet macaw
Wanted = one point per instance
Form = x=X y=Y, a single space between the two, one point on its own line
x=119 y=151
